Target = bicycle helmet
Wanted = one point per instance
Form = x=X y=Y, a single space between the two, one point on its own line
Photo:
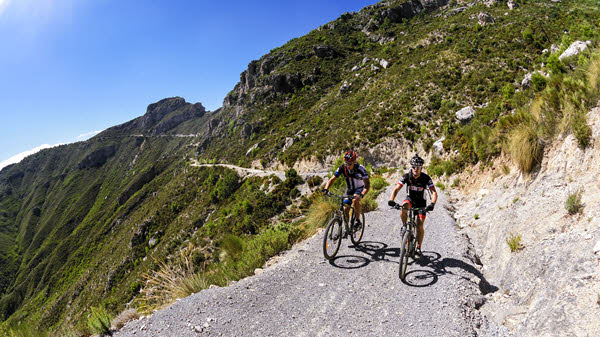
x=417 y=161
x=350 y=156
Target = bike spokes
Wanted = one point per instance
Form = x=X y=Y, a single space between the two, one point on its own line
x=332 y=238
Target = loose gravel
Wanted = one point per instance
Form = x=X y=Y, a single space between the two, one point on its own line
x=358 y=293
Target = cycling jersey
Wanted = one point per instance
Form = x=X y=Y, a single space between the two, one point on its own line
x=416 y=187
x=355 y=177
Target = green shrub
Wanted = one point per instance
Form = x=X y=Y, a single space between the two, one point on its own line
x=99 y=321
x=314 y=181
x=555 y=65
x=573 y=204
x=538 y=81
x=440 y=186
x=514 y=242
x=476 y=216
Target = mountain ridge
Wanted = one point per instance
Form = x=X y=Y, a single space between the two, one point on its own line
x=113 y=206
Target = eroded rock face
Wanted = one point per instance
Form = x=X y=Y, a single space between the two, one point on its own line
x=156 y=111
x=97 y=158
x=551 y=284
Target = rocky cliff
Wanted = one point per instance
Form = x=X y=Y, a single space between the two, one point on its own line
x=551 y=284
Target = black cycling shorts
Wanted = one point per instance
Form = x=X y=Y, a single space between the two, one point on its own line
x=355 y=191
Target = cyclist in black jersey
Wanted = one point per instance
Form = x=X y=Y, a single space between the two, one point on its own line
x=417 y=182
x=357 y=181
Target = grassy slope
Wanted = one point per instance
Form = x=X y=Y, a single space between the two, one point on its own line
x=75 y=238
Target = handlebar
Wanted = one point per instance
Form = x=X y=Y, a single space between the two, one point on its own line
x=329 y=194
x=416 y=209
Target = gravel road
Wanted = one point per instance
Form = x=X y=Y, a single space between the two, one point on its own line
x=357 y=294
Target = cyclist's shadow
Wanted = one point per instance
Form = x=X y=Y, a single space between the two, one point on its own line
x=436 y=267
x=376 y=251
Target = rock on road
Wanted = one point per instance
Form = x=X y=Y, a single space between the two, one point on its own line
x=359 y=293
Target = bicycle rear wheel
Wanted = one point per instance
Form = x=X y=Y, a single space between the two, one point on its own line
x=332 y=238
x=404 y=253
x=356 y=232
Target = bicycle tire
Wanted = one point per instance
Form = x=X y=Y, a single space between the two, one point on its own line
x=356 y=235
x=332 y=238
x=406 y=238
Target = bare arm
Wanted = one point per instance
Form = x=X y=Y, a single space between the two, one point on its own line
x=367 y=187
x=395 y=191
x=434 y=194
x=331 y=180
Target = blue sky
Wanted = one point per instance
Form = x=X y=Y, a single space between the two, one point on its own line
x=69 y=68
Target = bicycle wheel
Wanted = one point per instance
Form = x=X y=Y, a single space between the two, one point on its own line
x=404 y=253
x=356 y=232
x=332 y=238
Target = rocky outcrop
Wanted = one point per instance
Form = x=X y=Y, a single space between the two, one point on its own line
x=402 y=11
x=186 y=112
x=156 y=111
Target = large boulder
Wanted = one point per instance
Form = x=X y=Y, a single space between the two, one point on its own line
x=574 y=49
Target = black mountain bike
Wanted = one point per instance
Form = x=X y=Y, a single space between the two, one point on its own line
x=409 y=237
x=336 y=231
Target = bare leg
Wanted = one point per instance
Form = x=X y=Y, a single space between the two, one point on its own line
x=420 y=231
x=357 y=208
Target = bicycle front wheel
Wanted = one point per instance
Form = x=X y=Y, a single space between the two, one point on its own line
x=404 y=253
x=332 y=238
x=357 y=230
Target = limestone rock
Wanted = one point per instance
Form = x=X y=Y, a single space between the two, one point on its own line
x=438 y=146
x=384 y=64
x=511 y=4
x=484 y=18
x=465 y=114
x=574 y=49
x=345 y=87
x=597 y=247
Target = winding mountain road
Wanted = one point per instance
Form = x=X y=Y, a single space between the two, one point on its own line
x=357 y=294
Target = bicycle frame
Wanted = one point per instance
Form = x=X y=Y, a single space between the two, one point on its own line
x=409 y=237
x=333 y=233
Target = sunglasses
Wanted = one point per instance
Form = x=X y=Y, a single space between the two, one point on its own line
x=417 y=167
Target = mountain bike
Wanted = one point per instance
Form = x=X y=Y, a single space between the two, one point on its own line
x=335 y=231
x=409 y=237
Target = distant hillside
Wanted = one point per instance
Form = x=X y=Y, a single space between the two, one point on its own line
x=81 y=224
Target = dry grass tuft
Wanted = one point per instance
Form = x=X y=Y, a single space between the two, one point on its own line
x=525 y=147
x=124 y=317
x=171 y=281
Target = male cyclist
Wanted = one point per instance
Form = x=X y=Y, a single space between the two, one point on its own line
x=417 y=182
x=357 y=181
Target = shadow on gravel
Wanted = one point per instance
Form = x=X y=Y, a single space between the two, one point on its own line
x=441 y=267
x=378 y=251
x=349 y=262
x=420 y=278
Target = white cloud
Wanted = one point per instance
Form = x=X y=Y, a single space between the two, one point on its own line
x=17 y=158
x=87 y=135
x=3 y=5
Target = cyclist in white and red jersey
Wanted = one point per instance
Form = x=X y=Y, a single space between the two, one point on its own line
x=357 y=181
x=417 y=183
